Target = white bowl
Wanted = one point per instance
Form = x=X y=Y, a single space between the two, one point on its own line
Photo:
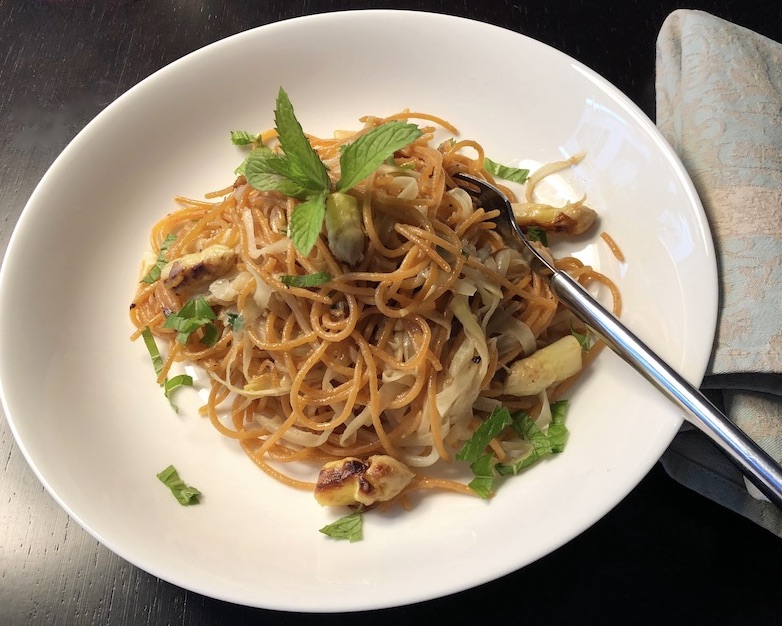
x=94 y=426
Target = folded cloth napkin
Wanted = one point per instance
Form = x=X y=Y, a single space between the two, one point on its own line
x=719 y=104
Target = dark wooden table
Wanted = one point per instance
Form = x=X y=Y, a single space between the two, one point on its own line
x=663 y=556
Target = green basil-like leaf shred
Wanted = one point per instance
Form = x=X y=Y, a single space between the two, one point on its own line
x=349 y=527
x=154 y=272
x=185 y=494
x=474 y=447
x=506 y=172
x=243 y=138
x=305 y=280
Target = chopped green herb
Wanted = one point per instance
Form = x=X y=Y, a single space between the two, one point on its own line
x=557 y=431
x=236 y=322
x=348 y=527
x=243 y=138
x=484 y=466
x=196 y=313
x=181 y=380
x=535 y=233
x=474 y=447
x=543 y=444
x=584 y=340
x=154 y=272
x=513 y=174
x=305 y=280
x=185 y=494
x=483 y=469
x=154 y=353
x=528 y=430
x=157 y=362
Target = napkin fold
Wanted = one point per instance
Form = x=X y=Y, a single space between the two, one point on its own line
x=719 y=104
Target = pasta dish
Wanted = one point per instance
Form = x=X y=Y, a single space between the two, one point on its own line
x=356 y=312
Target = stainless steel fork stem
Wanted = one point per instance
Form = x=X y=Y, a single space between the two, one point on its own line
x=753 y=461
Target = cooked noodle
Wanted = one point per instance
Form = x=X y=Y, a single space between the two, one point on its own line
x=402 y=354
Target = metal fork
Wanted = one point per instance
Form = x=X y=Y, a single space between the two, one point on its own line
x=752 y=460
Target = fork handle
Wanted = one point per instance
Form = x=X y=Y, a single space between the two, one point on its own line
x=752 y=460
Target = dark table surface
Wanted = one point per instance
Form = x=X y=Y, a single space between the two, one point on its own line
x=663 y=555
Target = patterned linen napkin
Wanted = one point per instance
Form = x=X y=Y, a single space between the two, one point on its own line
x=719 y=104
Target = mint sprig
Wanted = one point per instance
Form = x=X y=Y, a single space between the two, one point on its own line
x=299 y=173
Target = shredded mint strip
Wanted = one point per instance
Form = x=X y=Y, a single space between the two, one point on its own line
x=513 y=174
x=483 y=469
x=154 y=272
x=243 y=138
x=305 y=280
x=185 y=494
x=348 y=527
x=194 y=314
x=535 y=233
x=474 y=447
x=483 y=464
x=169 y=385
x=584 y=340
x=236 y=322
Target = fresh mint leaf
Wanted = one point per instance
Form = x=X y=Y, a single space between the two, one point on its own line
x=262 y=170
x=483 y=469
x=243 y=138
x=154 y=272
x=513 y=174
x=363 y=156
x=302 y=161
x=474 y=447
x=185 y=494
x=307 y=222
x=305 y=280
x=348 y=527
